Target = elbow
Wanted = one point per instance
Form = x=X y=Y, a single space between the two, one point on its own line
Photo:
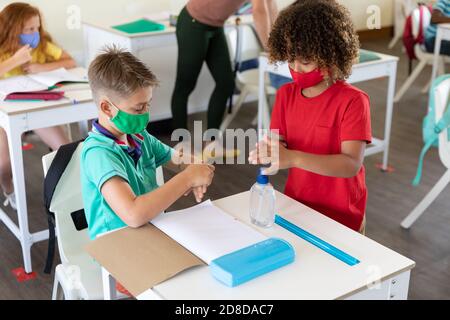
x=353 y=170
x=134 y=223
x=132 y=219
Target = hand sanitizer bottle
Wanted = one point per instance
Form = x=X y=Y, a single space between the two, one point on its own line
x=262 y=202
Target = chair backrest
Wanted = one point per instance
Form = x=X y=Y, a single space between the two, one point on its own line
x=416 y=21
x=442 y=100
x=250 y=46
x=67 y=199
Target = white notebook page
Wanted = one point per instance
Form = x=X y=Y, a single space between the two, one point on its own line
x=207 y=231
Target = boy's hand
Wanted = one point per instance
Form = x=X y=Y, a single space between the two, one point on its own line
x=198 y=192
x=23 y=55
x=272 y=151
x=199 y=178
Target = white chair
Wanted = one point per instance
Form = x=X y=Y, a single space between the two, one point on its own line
x=425 y=58
x=402 y=9
x=247 y=81
x=442 y=95
x=78 y=275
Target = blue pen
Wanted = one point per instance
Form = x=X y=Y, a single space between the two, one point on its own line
x=321 y=244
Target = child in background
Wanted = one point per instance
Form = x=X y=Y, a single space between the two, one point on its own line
x=26 y=48
x=440 y=14
x=120 y=158
x=323 y=122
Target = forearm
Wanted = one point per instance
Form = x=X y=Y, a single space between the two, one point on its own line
x=339 y=165
x=262 y=21
x=65 y=63
x=7 y=66
x=146 y=207
x=273 y=12
x=179 y=162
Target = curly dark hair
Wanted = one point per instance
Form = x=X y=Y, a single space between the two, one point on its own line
x=320 y=31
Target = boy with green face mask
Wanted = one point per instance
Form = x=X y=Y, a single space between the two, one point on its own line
x=119 y=158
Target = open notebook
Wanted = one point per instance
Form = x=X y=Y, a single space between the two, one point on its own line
x=207 y=231
x=39 y=82
x=145 y=257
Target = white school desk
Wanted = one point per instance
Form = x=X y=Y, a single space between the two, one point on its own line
x=19 y=117
x=314 y=274
x=385 y=67
x=442 y=33
x=159 y=49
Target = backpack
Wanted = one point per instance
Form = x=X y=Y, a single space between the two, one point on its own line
x=59 y=164
x=432 y=129
x=409 y=40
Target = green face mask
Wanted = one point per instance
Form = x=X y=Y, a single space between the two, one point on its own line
x=130 y=123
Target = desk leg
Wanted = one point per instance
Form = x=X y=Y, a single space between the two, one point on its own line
x=14 y=131
x=109 y=286
x=389 y=112
x=437 y=50
x=261 y=97
x=84 y=128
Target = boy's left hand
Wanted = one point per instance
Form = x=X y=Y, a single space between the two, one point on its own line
x=32 y=68
x=272 y=151
x=199 y=193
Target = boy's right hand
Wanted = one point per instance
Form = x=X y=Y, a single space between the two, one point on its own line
x=23 y=55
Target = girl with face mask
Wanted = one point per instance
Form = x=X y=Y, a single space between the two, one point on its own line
x=323 y=123
x=25 y=47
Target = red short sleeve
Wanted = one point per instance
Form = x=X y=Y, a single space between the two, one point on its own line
x=355 y=124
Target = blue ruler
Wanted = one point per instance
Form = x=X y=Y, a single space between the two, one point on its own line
x=321 y=244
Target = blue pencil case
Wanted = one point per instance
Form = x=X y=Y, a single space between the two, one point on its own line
x=249 y=263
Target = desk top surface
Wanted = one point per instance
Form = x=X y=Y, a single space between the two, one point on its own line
x=74 y=93
x=444 y=25
x=245 y=19
x=384 y=58
x=314 y=274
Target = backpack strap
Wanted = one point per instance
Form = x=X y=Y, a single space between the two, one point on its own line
x=56 y=170
x=443 y=124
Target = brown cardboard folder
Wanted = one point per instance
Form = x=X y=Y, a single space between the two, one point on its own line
x=145 y=259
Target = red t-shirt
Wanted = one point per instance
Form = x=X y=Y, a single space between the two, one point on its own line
x=319 y=125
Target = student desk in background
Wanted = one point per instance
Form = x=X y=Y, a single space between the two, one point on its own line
x=384 y=67
x=314 y=274
x=159 y=50
x=19 y=117
x=442 y=33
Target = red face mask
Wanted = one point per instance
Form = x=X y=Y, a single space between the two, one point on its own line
x=307 y=79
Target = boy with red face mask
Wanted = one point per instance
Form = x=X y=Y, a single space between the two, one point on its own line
x=323 y=122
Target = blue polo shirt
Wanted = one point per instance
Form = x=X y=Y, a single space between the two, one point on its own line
x=103 y=157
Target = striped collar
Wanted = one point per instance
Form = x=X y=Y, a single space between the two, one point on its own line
x=134 y=149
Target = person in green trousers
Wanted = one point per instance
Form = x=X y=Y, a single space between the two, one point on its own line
x=201 y=38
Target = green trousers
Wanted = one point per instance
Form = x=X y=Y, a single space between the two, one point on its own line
x=198 y=43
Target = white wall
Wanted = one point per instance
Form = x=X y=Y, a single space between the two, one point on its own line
x=110 y=11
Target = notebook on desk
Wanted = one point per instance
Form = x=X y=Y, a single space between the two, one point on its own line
x=174 y=242
x=38 y=83
x=140 y=26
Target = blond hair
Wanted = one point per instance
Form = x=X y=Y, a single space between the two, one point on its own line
x=117 y=72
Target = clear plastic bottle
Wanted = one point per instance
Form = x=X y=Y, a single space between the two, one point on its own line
x=262 y=202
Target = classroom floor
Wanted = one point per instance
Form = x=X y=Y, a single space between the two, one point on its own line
x=391 y=196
